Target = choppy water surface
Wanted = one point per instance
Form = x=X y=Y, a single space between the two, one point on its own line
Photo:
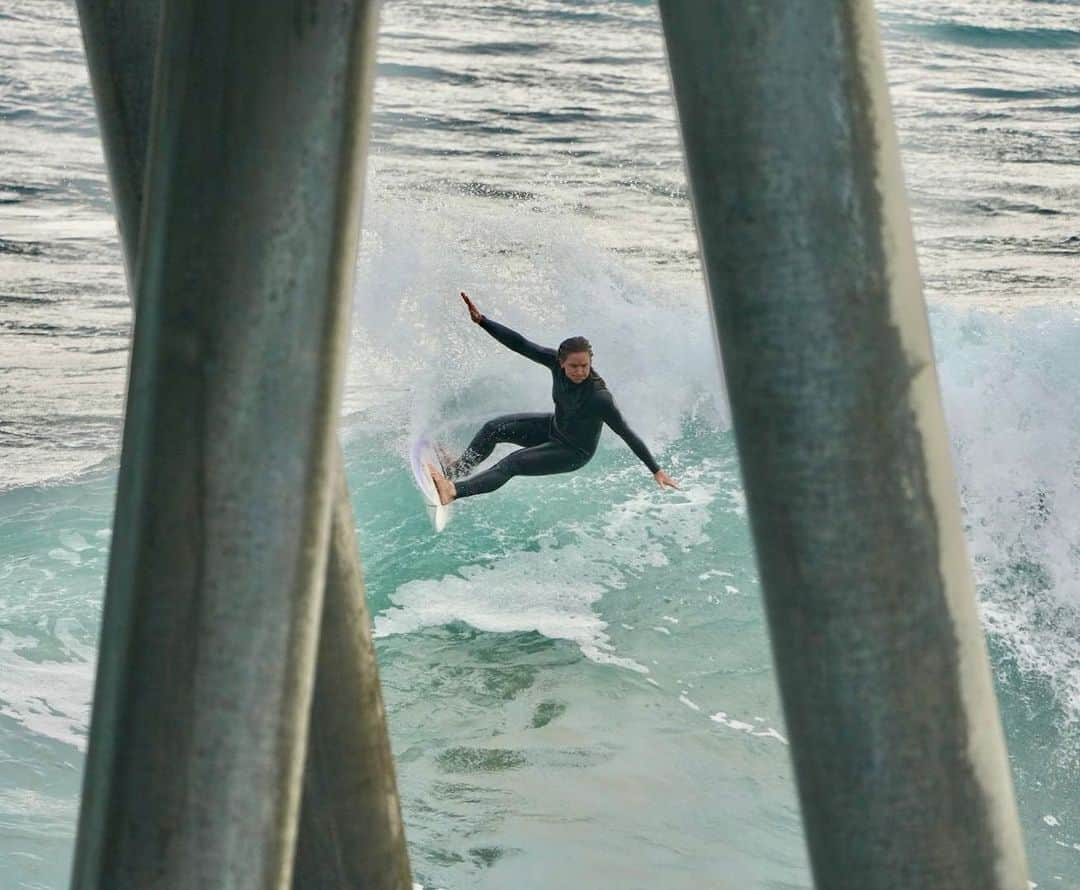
x=577 y=671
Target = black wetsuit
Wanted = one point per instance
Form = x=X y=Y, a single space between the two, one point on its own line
x=551 y=443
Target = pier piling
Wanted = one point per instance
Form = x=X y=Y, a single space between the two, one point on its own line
x=815 y=295
x=159 y=838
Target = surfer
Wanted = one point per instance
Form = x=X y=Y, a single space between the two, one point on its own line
x=550 y=443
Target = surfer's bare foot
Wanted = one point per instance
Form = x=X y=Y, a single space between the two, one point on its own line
x=445 y=487
x=445 y=460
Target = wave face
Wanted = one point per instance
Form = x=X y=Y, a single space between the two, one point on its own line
x=577 y=671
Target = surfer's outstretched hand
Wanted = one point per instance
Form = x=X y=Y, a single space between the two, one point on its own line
x=663 y=479
x=474 y=313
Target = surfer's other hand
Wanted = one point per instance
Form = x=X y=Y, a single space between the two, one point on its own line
x=474 y=313
x=663 y=479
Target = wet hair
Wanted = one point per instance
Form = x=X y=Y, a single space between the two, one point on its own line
x=572 y=345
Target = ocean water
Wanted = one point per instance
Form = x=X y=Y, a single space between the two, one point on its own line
x=577 y=672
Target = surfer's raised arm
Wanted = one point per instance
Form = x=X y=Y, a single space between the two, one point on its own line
x=618 y=425
x=511 y=339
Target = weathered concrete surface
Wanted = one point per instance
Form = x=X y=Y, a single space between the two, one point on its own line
x=813 y=285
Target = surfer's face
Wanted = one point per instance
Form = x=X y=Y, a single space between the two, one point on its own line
x=576 y=366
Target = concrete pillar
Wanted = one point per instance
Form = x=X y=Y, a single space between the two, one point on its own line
x=351 y=834
x=813 y=285
x=215 y=580
x=121 y=38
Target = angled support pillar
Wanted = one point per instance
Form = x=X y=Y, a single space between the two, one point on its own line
x=811 y=272
x=229 y=464
x=351 y=834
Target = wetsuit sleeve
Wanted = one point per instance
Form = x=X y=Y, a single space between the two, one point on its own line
x=614 y=419
x=513 y=340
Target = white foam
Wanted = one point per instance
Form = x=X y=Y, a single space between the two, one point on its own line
x=551 y=592
x=686 y=701
x=51 y=698
x=414 y=346
x=73 y=541
x=724 y=719
x=61 y=811
x=1013 y=409
x=68 y=556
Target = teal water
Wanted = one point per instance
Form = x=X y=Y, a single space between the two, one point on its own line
x=577 y=676
x=576 y=671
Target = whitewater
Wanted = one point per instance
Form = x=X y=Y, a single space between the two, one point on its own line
x=577 y=672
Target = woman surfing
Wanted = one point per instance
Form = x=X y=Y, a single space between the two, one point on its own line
x=550 y=443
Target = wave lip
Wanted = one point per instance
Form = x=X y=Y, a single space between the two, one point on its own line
x=987 y=37
x=426 y=72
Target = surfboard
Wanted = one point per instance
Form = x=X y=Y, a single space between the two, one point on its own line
x=421 y=452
